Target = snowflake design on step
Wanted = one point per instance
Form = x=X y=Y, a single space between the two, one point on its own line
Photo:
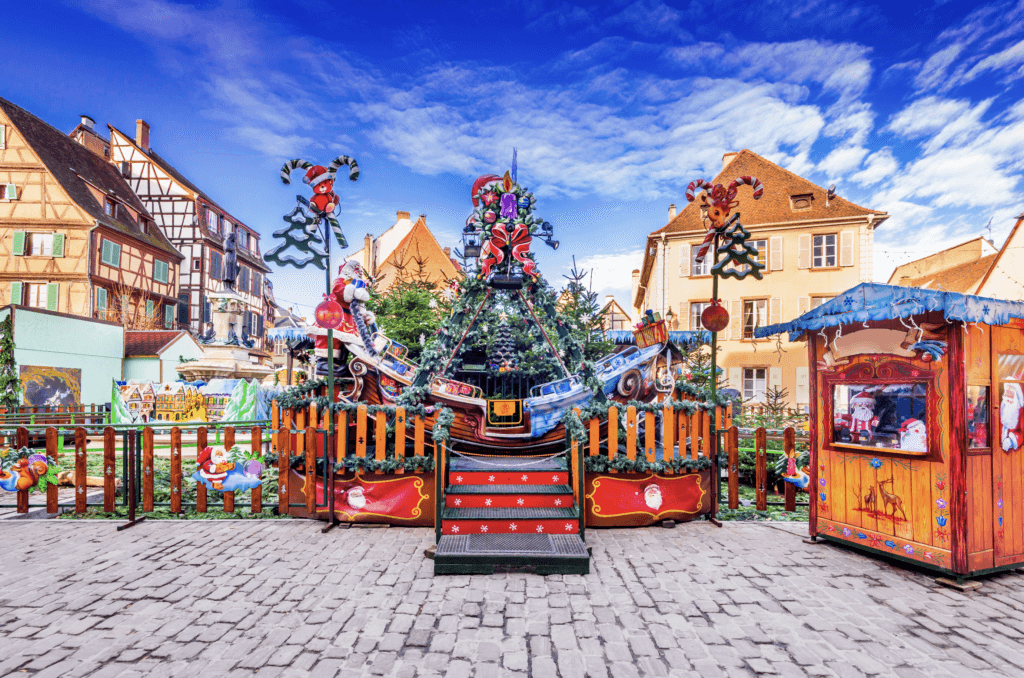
x=458 y=479
x=458 y=502
x=540 y=528
x=483 y=528
x=568 y=527
x=455 y=529
x=487 y=502
x=556 y=479
x=520 y=501
x=490 y=479
x=513 y=527
x=558 y=502
x=525 y=478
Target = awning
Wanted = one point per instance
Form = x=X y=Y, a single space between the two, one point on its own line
x=625 y=337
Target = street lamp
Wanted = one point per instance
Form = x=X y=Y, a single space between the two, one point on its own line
x=670 y=318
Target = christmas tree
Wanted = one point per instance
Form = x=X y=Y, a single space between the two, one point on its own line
x=302 y=234
x=10 y=384
x=579 y=308
x=740 y=258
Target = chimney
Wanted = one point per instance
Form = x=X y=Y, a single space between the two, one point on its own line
x=142 y=134
x=88 y=122
x=423 y=218
x=905 y=281
x=671 y=211
x=634 y=288
x=368 y=253
x=402 y=215
x=727 y=158
x=447 y=252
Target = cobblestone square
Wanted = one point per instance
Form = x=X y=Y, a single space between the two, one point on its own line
x=278 y=598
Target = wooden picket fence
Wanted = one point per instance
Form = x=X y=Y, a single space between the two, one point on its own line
x=731 y=443
x=61 y=415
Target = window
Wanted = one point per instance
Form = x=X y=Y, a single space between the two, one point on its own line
x=755 y=382
x=823 y=253
x=755 y=314
x=211 y=220
x=977 y=417
x=197 y=264
x=762 y=251
x=818 y=301
x=110 y=208
x=183 y=308
x=8 y=192
x=799 y=203
x=169 y=316
x=696 y=308
x=36 y=295
x=243 y=278
x=890 y=416
x=704 y=267
x=111 y=254
x=149 y=308
x=241 y=239
x=40 y=244
x=3 y=136
x=257 y=283
x=215 y=258
x=101 y=303
x=160 y=271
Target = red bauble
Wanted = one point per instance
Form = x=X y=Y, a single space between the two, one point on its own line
x=329 y=314
x=714 y=318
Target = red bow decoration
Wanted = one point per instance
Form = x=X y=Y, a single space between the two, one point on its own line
x=519 y=241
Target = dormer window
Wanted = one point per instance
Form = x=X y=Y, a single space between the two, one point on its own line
x=110 y=208
x=211 y=220
x=801 y=203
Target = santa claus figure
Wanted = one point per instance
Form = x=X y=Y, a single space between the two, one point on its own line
x=1010 y=417
x=914 y=436
x=652 y=497
x=213 y=466
x=862 y=417
x=355 y=498
x=321 y=180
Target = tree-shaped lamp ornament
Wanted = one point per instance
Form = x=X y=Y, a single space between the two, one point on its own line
x=717 y=202
x=307 y=233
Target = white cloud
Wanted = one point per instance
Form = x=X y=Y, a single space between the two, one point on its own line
x=842 y=160
x=934 y=69
x=879 y=165
x=927 y=116
x=1008 y=58
x=612 y=274
x=649 y=17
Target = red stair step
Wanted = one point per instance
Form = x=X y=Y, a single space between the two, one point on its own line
x=511 y=526
x=524 y=500
x=508 y=477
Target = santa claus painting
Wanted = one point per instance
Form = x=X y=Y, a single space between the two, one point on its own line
x=1010 y=417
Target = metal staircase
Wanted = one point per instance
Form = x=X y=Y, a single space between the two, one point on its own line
x=501 y=513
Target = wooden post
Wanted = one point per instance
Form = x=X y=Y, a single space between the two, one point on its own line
x=399 y=437
x=958 y=450
x=175 y=470
x=439 y=488
x=229 y=497
x=51 y=451
x=668 y=430
x=613 y=435
x=631 y=433
x=81 y=498
x=812 y=439
x=419 y=443
x=761 y=466
x=649 y=436
x=694 y=431
x=200 y=488
x=256 y=446
x=147 y=470
x=789 y=442
x=576 y=470
x=595 y=437
x=284 y=451
x=380 y=439
x=110 y=469
x=733 y=448
x=309 y=486
x=341 y=441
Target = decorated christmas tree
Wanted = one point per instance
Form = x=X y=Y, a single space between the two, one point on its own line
x=10 y=384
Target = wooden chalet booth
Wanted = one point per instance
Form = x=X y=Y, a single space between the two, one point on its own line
x=917 y=429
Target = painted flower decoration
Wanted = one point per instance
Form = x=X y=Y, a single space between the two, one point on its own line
x=876 y=463
x=822 y=482
x=940 y=484
x=890 y=543
x=846 y=532
x=909 y=549
x=824 y=508
x=821 y=467
x=941 y=520
x=999 y=503
x=941 y=503
x=861 y=535
x=823 y=496
x=928 y=555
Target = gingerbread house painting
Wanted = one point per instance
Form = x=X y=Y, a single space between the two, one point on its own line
x=917 y=430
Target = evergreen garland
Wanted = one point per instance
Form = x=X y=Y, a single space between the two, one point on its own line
x=10 y=383
x=602 y=464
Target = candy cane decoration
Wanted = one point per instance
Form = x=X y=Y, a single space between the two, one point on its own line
x=353 y=166
x=753 y=182
x=694 y=185
x=479 y=184
x=293 y=165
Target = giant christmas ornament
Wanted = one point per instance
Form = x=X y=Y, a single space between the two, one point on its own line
x=717 y=202
x=329 y=314
x=714 y=318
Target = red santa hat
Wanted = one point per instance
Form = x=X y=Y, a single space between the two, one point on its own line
x=911 y=424
x=316 y=175
x=863 y=398
x=1016 y=390
x=204 y=456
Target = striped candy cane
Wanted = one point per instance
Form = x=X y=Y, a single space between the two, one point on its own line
x=353 y=166
x=291 y=165
x=753 y=182
x=694 y=185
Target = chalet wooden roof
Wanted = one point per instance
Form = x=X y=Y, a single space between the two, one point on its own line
x=172 y=171
x=74 y=167
x=149 y=342
x=774 y=207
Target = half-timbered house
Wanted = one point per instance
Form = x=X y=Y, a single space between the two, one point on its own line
x=198 y=227
x=74 y=238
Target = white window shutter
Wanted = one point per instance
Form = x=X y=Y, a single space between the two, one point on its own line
x=846 y=248
x=774 y=377
x=775 y=311
x=804 y=259
x=775 y=253
x=684 y=260
x=684 y=317
x=803 y=386
x=736 y=379
x=736 y=329
x=3 y=136
x=804 y=305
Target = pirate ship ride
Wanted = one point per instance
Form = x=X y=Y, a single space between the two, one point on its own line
x=507 y=362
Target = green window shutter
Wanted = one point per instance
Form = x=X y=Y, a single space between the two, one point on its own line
x=168 y=316
x=52 y=290
x=58 y=244
x=149 y=308
x=19 y=243
x=101 y=299
x=10 y=191
x=160 y=271
x=115 y=250
x=105 y=252
x=16 y=292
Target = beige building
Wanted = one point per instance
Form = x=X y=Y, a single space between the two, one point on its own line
x=613 y=316
x=409 y=252
x=973 y=267
x=814 y=245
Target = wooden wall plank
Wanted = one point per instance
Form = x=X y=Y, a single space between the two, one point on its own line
x=361 y=432
x=309 y=487
x=732 y=447
x=284 y=450
x=761 y=468
x=650 y=434
x=631 y=433
x=380 y=438
x=613 y=434
x=256 y=446
x=595 y=437
x=400 y=436
x=902 y=482
x=229 y=442
x=81 y=457
x=201 y=436
x=52 y=503
x=668 y=429
x=109 y=469
x=419 y=436
x=147 y=470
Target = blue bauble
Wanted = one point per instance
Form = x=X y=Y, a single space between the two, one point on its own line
x=524 y=202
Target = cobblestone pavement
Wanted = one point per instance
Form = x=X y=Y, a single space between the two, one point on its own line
x=277 y=598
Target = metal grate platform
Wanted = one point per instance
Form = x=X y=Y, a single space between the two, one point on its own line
x=500 y=545
x=508 y=464
x=556 y=513
x=509 y=489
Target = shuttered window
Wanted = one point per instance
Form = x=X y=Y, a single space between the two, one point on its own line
x=58 y=244
x=16 y=293
x=52 y=290
x=3 y=136
x=169 y=316
x=18 y=247
x=183 y=311
x=111 y=253
x=803 y=259
x=149 y=308
x=215 y=258
x=243 y=275
x=846 y=248
x=101 y=303
x=160 y=271
x=684 y=260
x=257 y=283
x=206 y=312
x=775 y=254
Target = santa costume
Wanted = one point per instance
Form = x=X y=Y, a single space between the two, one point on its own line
x=1010 y=418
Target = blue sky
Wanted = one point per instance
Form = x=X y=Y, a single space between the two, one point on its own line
x=912 y=108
